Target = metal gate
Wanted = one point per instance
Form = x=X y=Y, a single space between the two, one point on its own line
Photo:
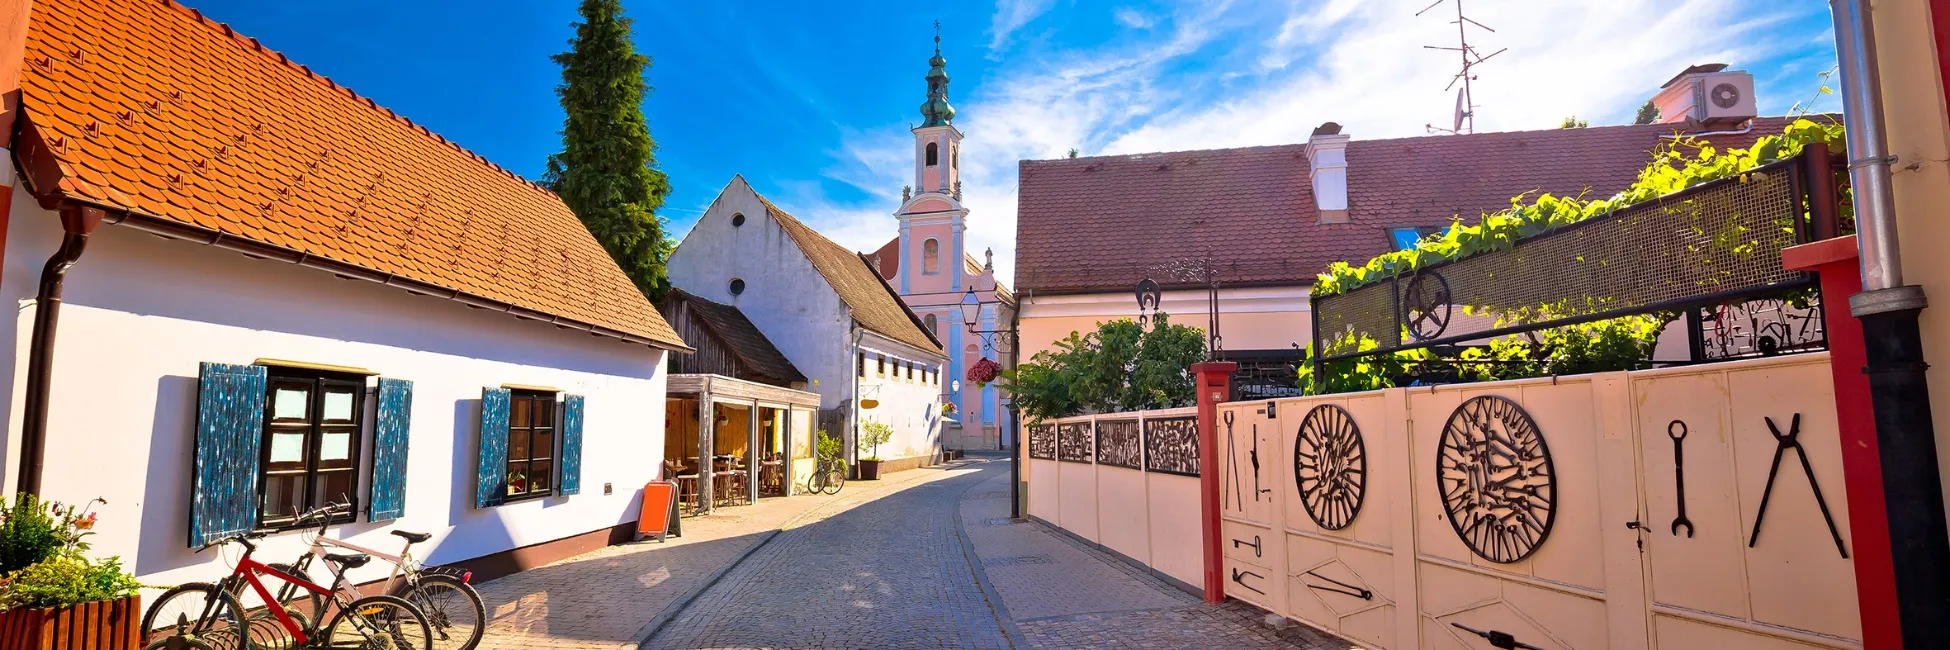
x=1547 y=511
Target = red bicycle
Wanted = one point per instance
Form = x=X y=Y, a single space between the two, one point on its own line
x=205 y=616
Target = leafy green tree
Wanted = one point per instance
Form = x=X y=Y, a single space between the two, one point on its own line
x=1648 y=114
x=874 y=434
x=607 y=169
x=1573 y=122
x=1120 y=367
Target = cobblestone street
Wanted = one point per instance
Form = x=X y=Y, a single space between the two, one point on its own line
x=923 y=559
x=935 y=564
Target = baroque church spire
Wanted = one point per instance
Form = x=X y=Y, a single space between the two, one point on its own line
x=936 y=110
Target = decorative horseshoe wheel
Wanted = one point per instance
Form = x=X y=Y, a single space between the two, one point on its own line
x=1330 y=466
x=1496 y=480
x=1425 y=305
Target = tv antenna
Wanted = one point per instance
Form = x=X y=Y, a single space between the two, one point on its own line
x=1465 y=116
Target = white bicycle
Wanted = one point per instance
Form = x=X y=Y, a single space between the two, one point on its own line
x=453 y=609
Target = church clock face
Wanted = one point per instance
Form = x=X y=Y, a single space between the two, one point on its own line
x=1496 y=479
x=1330 y=466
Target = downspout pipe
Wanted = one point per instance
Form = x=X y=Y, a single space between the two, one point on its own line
x=1893 y=342
x=77 y=223
x=1015 y=417
x=849 y=441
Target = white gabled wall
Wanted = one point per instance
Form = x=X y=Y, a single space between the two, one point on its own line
x=140 y=312
x=911 y=407
x=784 y=295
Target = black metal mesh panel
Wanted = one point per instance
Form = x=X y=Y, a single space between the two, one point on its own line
x=1073 y=442
x=1171 y=445
x=1700 y=246
x=1118 y=444
x=1042 y=442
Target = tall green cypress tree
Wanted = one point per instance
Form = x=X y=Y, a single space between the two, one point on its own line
x=607 y=170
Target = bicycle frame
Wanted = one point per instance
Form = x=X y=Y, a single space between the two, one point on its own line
x=320 y=543
x=248 y=570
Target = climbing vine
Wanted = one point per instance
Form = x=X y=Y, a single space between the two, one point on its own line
x=1675 y=165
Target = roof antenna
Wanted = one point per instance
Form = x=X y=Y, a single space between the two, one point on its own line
x=1465 y=116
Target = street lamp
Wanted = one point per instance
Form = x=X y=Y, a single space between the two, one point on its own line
x=971 y=314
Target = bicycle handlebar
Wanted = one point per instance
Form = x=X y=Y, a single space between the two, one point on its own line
x=241 y=538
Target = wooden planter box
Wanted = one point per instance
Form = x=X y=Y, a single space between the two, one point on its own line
x=100 y=625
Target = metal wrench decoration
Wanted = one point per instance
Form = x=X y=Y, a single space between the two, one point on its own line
x=1785 y=442
x=1256 y=548
x=1677 y=430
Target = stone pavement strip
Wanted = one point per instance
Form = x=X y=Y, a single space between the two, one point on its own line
x=923 y=559
x=612 y=597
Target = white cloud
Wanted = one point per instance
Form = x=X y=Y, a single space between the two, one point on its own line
x=1225 y=76
x=1011 y=15
x=1133 y=18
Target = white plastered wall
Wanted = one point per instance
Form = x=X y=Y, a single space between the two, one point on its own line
x=141 y=312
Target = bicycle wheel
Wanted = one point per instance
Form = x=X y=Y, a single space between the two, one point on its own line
x=199 y=612
x=835 y=479
x=379 y=623
x=180 y=643
x=454 y=610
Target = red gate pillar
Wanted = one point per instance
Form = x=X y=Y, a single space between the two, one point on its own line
x=1214 y=381
x=1868 y=518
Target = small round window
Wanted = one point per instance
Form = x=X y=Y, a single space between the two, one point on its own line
x=737 y=219
x=737 y=286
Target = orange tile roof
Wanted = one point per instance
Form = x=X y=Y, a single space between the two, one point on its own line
x=147 y=107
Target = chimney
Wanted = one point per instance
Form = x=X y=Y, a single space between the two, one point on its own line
x=1327 y=162
x=1707 y=96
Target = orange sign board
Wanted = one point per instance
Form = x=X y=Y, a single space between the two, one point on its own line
x=654 y=519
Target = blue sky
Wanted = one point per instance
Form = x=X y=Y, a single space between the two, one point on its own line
x=811 y=101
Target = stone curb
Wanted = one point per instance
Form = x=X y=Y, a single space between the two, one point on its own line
x=1001 y=610
x=671 y=611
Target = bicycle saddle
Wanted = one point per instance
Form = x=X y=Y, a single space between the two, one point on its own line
x=413 y=538
x=349 y=561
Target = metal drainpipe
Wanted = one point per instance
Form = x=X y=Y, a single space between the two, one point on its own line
x=76 y=224
x=1888 y=309
x=849 y=439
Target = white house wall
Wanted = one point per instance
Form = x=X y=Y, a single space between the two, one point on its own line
x=785 y=297
x=911 y=407
x=141 y=312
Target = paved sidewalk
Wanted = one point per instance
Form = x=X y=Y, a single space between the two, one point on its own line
x=1064 y=593
x=609 y=598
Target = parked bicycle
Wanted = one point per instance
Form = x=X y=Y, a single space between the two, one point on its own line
x=829 y=474
x=207 y=616
x=454 y=610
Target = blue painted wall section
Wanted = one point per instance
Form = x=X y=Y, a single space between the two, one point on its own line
x=491 y=479
x=389 y=436
x=229 y=437
x=571 y=480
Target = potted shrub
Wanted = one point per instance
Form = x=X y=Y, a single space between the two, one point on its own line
x=873 y=434
x=52 y=591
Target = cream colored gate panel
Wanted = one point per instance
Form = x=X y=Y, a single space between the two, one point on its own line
x=1078 y=498
x=1254 y=550
x=1340 y=576
x=1555 y=596
x=1343 y=587
x=1045 y=491
x=1793 y=587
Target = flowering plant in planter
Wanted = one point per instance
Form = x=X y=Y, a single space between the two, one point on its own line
x=50 y=586
x=984 y=371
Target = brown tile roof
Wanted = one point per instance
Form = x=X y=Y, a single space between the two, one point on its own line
x=1103 y=223
x=738 y=336
x=146 y=107
x=874 y=304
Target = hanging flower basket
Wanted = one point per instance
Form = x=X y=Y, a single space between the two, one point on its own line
x=984 y=371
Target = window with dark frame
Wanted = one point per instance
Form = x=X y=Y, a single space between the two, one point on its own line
x=934 y=154
x=880 y=365
x=1405 y=238
x=863 y=365
x=313 y=427
x=531 y=444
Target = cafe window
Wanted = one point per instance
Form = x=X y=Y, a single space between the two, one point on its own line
x=880 y=365
x=310 y=454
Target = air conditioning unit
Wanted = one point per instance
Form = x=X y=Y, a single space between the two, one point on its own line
x=1707 y=97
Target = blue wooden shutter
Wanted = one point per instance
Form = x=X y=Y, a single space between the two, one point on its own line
x=229 y=437
x=389 y=442
x=571 y=480
x=491 y=479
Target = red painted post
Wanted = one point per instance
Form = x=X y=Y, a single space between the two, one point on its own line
x=1214 y=385
x=1868 y=519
